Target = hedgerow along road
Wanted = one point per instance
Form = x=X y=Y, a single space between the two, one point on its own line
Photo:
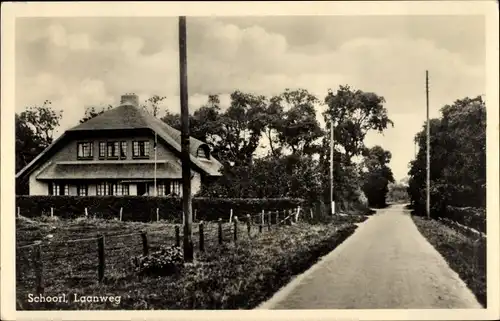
x=385 y=264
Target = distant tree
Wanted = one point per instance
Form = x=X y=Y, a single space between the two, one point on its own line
x=376 y=175
x=152 y=104
x=397 y=193
x=94 y=112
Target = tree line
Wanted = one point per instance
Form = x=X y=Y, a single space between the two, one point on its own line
x=457 y=158
x=297 y=158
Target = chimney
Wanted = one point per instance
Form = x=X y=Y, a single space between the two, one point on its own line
x=130 y=99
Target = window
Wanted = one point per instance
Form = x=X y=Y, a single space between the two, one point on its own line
x=175 y=188
x=54 y=189
x=141 y=149
x=102 y=149
x=120 y=189
x=123 y=149
x=85 y=150
x=82 y=190
x=162 y=191
x=103 y=188
x=203 y=152
x=58 y=189
x=113 y=150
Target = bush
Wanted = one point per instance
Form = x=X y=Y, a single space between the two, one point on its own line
x=166 y=261
x=143 y=208
x=469 y=216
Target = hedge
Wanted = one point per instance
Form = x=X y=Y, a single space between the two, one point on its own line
x=472 y=217
x=143 y=208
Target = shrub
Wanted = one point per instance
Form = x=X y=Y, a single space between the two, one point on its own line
x=165 y=261
x=143 y=208
x=468 y=216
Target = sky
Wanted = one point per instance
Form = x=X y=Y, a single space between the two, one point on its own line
x=81 y=62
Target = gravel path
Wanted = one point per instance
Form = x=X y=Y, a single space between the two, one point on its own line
x=385 y=264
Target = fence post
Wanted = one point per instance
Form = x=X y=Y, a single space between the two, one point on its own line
x=145 y=246
x=100 y=246
x=177 y=236
x=121 y=213
x=269 y=220
x=262 y=218
x=18 y=211
x=248 y=225
x=231 y=216
x=289 y=218
x=311 y=213
x=86 y=213
x=202 y=237
x=38 y=268
x=220 y=230
x=157 y=214
x=297 y=214
x=236 y=228
x=278 y=216
x=51 y=212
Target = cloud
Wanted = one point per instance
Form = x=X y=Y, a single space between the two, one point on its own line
x=79 y=62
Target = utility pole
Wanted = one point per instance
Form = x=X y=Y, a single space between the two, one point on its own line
x=186 y=161
x=332 y=204
x=428 y=205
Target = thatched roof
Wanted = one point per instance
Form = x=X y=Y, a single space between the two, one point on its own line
x=126 y=117
x=105 y=170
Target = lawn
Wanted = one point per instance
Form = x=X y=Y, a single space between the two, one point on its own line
x=234 y=275
x=466 y=255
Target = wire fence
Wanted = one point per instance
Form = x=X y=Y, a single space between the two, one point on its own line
x=79 y=262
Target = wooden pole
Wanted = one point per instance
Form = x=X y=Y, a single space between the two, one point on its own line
x=18 y=211
x=249 y=226
x=220 y=230
x=186 y=159
x=145 y=245
x=332 y=202
x=86 y=213
x=101 y=254
x=231 y=216
x=157 y=214
x=262 y=218
x=236 y=228
x=269 y=220
x=51 y=212
x=177 y=236
x=38 y=268
x=428 y=205
x=121 y=213
x=202 y=237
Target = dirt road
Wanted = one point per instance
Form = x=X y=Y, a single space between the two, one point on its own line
x=385 y=264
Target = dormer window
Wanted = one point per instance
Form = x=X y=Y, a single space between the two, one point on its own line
x=203 y=152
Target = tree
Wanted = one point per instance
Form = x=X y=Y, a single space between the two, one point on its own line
x=34 y=132
x=94 y=112
x=458 y=158
x=376 y=175
x=152 y=104
x=42 y=120
x=354 y=113
x=292 y=116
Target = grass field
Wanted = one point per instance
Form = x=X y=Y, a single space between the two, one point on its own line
x=235 y=275
x=465 y=255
